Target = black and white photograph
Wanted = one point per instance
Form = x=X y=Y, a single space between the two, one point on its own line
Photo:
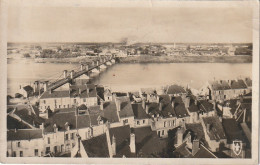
x=165 y=81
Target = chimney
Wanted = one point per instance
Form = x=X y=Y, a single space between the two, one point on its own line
x=97 y=63
x=173 y=104
x=208 y=127
x=65 y=73
x=72 y=74
x=195 y=146
x=118 y=104
x=50 y=91
x=179 y=136
x=196 y=102
x=132 y=143
x=101 y=105
x=42 y=128
x=93 y=63
x=160 y=106
x=79 y=91
x=55 y=128
x=220 y=119
x=29 y=112
x=86 y=67
x=81 y=67
x=143 y=104
x=45 y=86
x=147 y=109
x=187 y=101
x=113 y=145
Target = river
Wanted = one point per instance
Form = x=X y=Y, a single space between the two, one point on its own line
x=129 y=77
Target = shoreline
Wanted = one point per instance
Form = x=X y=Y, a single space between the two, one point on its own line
x=154 y=59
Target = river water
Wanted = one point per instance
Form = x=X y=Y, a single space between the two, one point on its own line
x=129 y=77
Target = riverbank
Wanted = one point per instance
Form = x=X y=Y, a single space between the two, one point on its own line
x=66 y=60
x=186 y=59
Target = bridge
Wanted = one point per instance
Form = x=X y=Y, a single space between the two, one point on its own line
x=67 y=78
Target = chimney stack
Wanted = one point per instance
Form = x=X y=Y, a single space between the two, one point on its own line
x=101 y=105
x=179 y=136
x=93 y=63
x=132 y=143
x=42 y=128
x=160 y=106
x=80 y=91
x=196 y=102
x=195 y=146
x=208 y=127
x=72 y=74
x=55 y=128
x=147 y=109
x=65 y=74
x=81 y=67
x=118 y=104
x=45 y=84
x=187 y=101
x=143 y=104
x=86 y=67
x=113 y=145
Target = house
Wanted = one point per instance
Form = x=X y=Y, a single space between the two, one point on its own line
x=125 y=110
x=19 y=140
x=175 y=90
x=26 y=91
x=214 y=132
x=140 y=116
x=149 y=94
x=75 y=96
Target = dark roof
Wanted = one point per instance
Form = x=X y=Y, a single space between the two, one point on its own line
x=31 y=119
x=126 y=108
x=193 y=107
x=147 y=142
x=100 y=92
x=28 y=88
x=147 y=90
x=122 y=136
x=203 y=152
x=248 y=82
x=82 y=92
x=182 y=151
x=139 y=112
x=55 y=94
x=205 y=106
x=216 y=129
x=96 y=146
x=239 y=84
x=24 y=134
x=12 y=123
x=232 y=130
x=197 y=129
x=110 y=112
x=175 y=89
x=220 y=85
x=60 y=118
x=179 y=107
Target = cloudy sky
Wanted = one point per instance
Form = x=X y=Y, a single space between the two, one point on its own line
x=145 y=24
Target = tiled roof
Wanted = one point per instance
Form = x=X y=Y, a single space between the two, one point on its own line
x=216 y=129
x=182 y=151
x=179 y=108
x=31 y=119
x=147 y=142
x=126 y=108
x=75 y=91
x=220 y=85
x=175 y=89
x=203 y=152
x=197 y=129
x=147 y=90
x=239 y=84
x=55 y=94
x=232 y=130
x=122 y=136
x=205 y=106
x=248 y=82
x=61 y=118
x=24 y=134
x=12 y=123
x=193 y=107
x=139 y=112
x=110 y=112
x=96 y=146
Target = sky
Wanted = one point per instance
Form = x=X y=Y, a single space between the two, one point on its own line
x=144 y=24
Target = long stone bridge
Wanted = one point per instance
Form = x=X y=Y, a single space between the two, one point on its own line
x=95 y=66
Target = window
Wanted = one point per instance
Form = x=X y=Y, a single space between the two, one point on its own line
x=59 y=106
x=55 y=149
x=143 y=121
x=67 y=136
x=36 y=152
x=75 y=100
x=55 y=101
x=164 y=124
x=44 y=101
x=162 y=132
x=72 y=136
x=108 y=98
x=21 y=153
x=84 y=100
x=64 y=106
x=14 y=154
x=48 y=150
x=73 y=144
x=49 y=140
x=18 y=144
x=138 y=122
x=68 y=105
